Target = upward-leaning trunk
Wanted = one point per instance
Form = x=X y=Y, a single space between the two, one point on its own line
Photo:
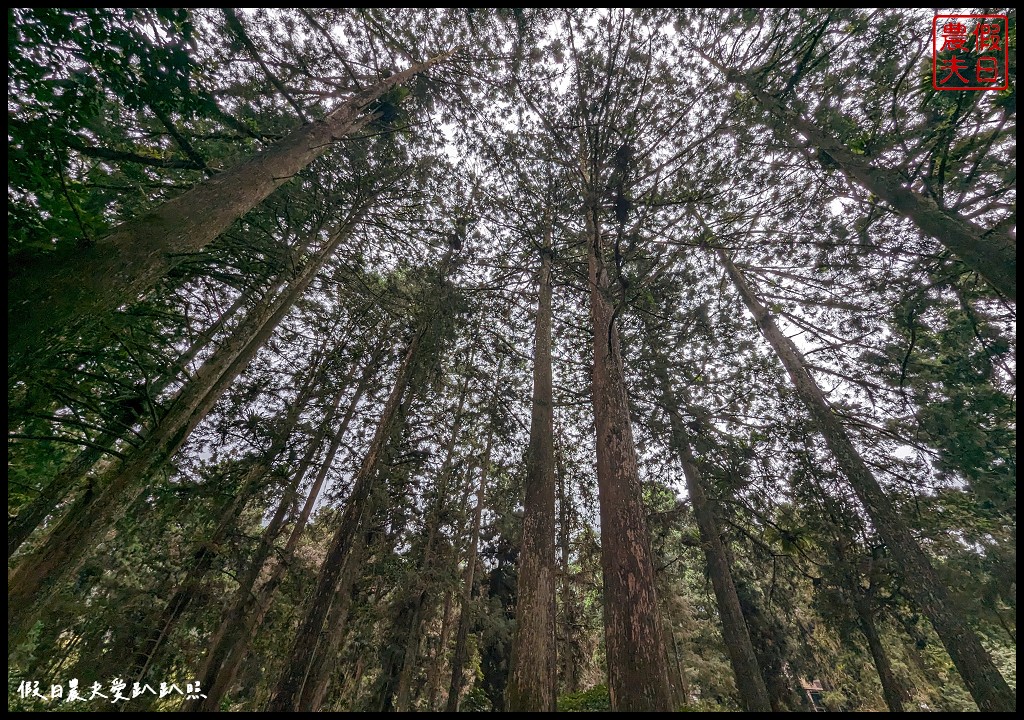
x=32 y=515
x=79 y=530
x=861 y=599
x=569 y=665
x=324 y=660
x=20 y=528
x=205 y=553
x=393 y=653
x=319 y=679
x=84 y=286
x=986 y=685
x=634 y=633
x=459 y=652
x=413 y=642
x=244 y=614
x=320 y=676
x=322 y=665
x=533 y=675
x=438 y=661
x=993 y=256
x=892 y=688
x=238 y=622
x=749 y=681
x=421 y=616
x=288 y=693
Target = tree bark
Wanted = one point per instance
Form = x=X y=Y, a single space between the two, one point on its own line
x=288 y=693
x=20 y=528
x=79 y=531
x=50 y=293
x=437 y=666
x=634 y=641
x=32 y=515
x=466 y=598
x=245 y=613
x=533 y=675
x=315 y=689
x=749 y=681
x=568 y=658
x=993 y=256
x=892 y=688
x=986 y=685
x=422 y=612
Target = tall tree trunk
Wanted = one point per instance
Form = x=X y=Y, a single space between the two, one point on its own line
x=465 y=600
x=426 y=570
x=207 y=336
x=206 y=552
x=329 y=644
x=634 y=641
x=245 y=613
x=684 y=683
x=437 y=666
x=414 y=640
x=357 y=683
x=472 y=548
x=32 y=515
x=768 y=641
x=568 y=658
x=396 y=678
x=892 y=688
x=986 y=685
x=392 y=655
x=410 y=656
x=84 y=286
x=749 y=681
x=79 y=530
x=991 y=255
x=861 y=598
x=20 y=528
x=289 y=689
x=533 y=675
x=203 y=556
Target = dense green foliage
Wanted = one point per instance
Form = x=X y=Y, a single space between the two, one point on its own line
x=442 y=200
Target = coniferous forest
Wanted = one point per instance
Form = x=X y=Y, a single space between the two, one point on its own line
x=453 y=359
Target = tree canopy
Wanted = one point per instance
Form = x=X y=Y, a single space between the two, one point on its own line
x=380 y=359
